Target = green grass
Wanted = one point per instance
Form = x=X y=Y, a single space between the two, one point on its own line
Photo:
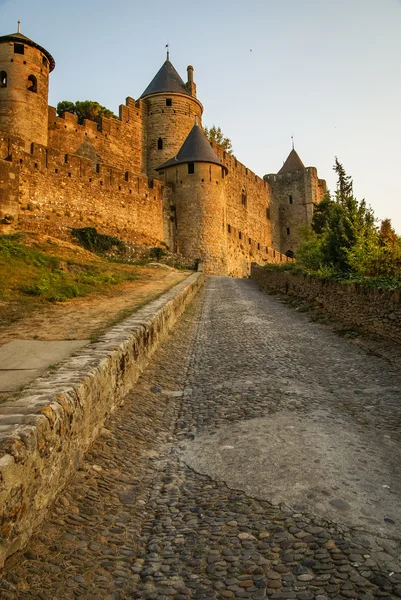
x=28 y=272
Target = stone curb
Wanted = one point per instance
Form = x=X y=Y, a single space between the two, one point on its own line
x=45 y=432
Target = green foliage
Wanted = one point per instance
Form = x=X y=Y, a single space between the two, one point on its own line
x=216 y=135
x=89 y=238
x=27 y=272
x=86 y=109
x=157 y=253
x=345 y=243
x=11 y=250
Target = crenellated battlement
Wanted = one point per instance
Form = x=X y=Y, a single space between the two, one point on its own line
x=58 y=191
x=56 y=173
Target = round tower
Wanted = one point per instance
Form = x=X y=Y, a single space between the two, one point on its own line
x=171 y=107
x=198 y=180
x=24 y=87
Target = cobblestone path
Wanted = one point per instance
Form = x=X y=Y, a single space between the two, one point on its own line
x=258 y=457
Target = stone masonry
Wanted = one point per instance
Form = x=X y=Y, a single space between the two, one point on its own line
x=106 y=175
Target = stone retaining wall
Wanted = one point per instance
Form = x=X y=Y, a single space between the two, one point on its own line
x=374 y=310
x=45 y=432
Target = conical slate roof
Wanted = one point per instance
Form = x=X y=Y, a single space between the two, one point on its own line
x=196 y=148
x=293 y=163
x=19 y=37
x=166 y=80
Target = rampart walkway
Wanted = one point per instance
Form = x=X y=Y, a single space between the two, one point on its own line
x=257 y=457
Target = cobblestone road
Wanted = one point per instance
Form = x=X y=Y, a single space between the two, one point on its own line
x=257 y=457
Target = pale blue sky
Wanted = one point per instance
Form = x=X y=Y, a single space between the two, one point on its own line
x=328 y=72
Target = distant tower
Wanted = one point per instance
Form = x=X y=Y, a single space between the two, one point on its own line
x=198 y=178
x=295 y=190
x=24 y=87
x=170 y=110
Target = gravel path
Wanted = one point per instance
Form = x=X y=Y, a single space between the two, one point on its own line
x=258 y=457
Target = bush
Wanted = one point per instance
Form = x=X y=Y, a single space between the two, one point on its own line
x=89 y=238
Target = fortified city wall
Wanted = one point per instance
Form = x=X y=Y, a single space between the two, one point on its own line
x=56 y=174
x=249 y=224
x=116 y=141
x=57 y=191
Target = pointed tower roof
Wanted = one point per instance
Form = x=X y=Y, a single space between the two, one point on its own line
x=196 y=148
x=22 y=39
x=293 y=163
x=166 y=80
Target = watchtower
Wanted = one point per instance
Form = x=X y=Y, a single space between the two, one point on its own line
x=198 y=179
x=295 y=190
x=24 y=87
x=171 y=107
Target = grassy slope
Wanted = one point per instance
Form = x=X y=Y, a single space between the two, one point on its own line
x=36 y=269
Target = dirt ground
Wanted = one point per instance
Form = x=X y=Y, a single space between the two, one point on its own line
x=87 y=317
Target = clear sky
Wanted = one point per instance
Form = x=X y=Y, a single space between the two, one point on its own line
x=327 y=72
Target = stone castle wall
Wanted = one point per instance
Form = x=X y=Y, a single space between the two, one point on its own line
x=249 y=224
x=223 y=218
x=116 y=142
x=57 y=191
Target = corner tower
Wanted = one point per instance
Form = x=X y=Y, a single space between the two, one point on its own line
x=170 y=110
x=295 y=190
x=197 y=180
x=24 y=87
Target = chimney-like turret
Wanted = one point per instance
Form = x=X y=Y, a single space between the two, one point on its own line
x=190 y=85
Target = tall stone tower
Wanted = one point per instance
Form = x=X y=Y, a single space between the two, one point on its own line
x=170 y=108
x=197 y=178
x=24 y=87
x=295 y=190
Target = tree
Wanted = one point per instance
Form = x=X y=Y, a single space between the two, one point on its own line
x=343 y=228
x=214 y=134
x=387 y=235
x=87 y=109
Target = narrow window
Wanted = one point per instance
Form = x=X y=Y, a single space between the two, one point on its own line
x=126 y=176
x=222 y=172
x=288 y=231
x=243 y=197
x=44 y=61
x=240 y=235
x=66 y=159
x=32 y=148
x=3 y=79
x=268 y=213
x=249 y=241
x=169 y=102
x=19 y=49
x=290 y=199
x=33 y=84
x=258 y=246
x=229 y=228
x=97 y=168
x=160 y=144
x=191 y=168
